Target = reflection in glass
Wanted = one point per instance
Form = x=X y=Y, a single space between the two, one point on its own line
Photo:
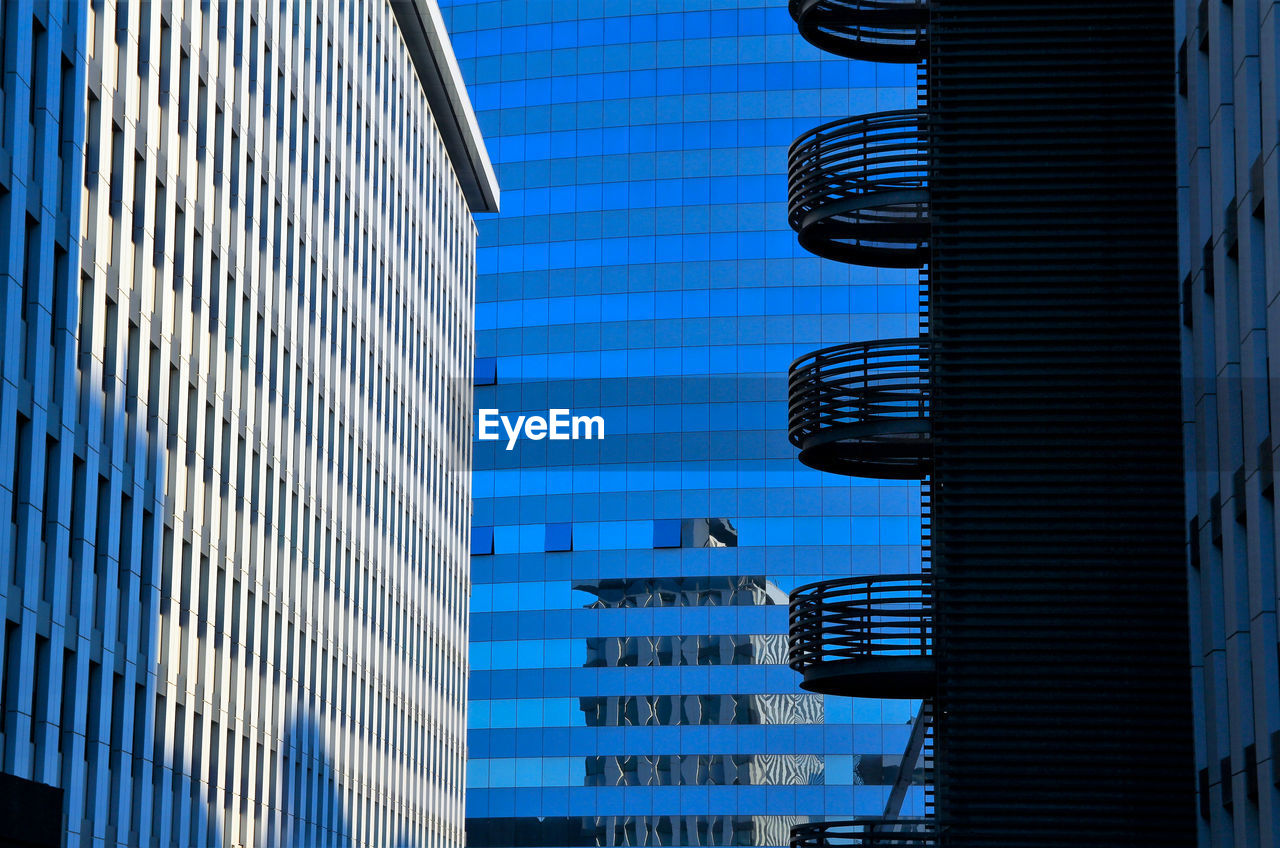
x=602 y=831
x=708 y=533
x=638 y=271
x=667 y=710
x=642 y=651
x=708 y=769
x=618 y=593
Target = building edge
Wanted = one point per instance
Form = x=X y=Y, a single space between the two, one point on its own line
x=423 y=30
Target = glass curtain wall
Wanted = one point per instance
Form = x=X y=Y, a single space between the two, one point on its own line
x=628 y=681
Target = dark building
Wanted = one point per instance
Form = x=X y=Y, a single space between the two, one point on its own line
x=1035 y=187
x=31 y=813
x=1230 y=271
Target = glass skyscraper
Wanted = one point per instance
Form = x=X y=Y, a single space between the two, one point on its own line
x=629 y=683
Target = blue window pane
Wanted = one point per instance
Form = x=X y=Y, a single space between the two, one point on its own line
x=486 y=373
x=559 y=537
x=481 y=541
x=666 y=532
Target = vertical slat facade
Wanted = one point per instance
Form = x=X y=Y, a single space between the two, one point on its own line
x=1064 y=702
x=1230 y=272
x=234 y=507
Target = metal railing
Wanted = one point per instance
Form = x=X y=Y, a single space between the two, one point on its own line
x=874 y=30
x=858 y=189
x=863 y=408
x=860 y=833
x=861 y=618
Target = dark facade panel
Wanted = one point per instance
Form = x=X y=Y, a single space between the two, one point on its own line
x=1230 y=265
x=1057 y=528
x=30 y=813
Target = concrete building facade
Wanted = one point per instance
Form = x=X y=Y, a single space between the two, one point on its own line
x=237 y=277
x=1230 y=270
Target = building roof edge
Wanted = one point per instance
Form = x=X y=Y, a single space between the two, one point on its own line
x=422 y=27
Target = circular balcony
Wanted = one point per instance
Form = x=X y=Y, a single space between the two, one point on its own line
x=858 y=190
x=874 y=30
x=857 y=833
x=868 y=637
x=862 y=409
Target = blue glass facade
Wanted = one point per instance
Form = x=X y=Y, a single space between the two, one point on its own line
x=628 y=638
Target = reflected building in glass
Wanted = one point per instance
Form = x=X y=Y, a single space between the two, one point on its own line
x=629 y=680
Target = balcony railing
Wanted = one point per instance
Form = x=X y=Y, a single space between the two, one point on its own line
x=866 y=832
x=865 y=636
x=862 y=409
x=875 y=30
x=858 y=190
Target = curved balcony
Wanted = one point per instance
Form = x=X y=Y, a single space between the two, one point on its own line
x=862 y=409
x=858 y=190
x=866 y=637
x=875 y=30
x=857 y=833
